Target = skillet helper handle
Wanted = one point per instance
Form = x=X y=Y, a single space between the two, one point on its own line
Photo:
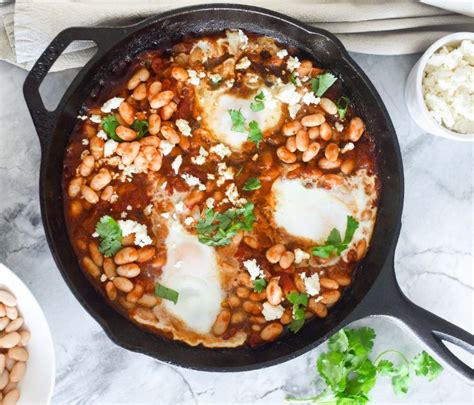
x=44 y=119
x=386 y=298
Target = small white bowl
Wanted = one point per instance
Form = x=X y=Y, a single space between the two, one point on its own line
x=37 y=385
x=414 y=95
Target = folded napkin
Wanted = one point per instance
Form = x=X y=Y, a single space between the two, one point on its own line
x=369 y=26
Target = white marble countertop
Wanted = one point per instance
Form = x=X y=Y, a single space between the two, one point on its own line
x=433 y=264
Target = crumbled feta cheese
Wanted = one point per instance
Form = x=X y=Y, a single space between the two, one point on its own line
x=165 y=215
x=163 y=186
x=141 y=235
x=204 y=46
x=243 y=63
x=254 y=269
x=236 y=40
x=310 y=98
x=215 y=78
x=193 y=77
x=202 y=75
x=189 y=220
x=201 y=158
x=123 y=215
x=293 y=63
x=293 y=110
x=95 y=118
x=95 y=235
x=184 y=127
x=300 y=255
x=129 y=207
x=179 y=207
x=225 y=173
x=148 y=209
x=347 y=147
x=190 y=180
x=103 y=277
x=448 y=87
x=221 y=150
x=82 y=117
x=210 y=176
x=166 y=147
x=311 y=283
x=176 y=164
x=111 y=104
x=109 y=147
x=210 y=202
x=102 y=135
x=272 y=312
x=282 y=53
x=339 y=127
x=114 y=198
x=288 y=94
x=232 y=193
x=85 y=141
x=229 y=83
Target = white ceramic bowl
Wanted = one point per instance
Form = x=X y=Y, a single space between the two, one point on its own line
x=414 y=96
x=37 y=385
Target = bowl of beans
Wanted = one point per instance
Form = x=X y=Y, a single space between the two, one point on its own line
x=27 y=366
x=439 y=92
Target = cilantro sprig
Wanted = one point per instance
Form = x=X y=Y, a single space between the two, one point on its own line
x=110 y=235
x=321 y=83
x=217 y=229
x=259 y=284
x=109 y=124
x=300 y=302
x=238 y=121
x=350 y=375
x=252 y=183
x=334 y=244
x=342 y=104
x=141 y=127
x=258 y=104
x=166 y=293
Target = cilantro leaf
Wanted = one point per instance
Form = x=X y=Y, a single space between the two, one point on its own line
x=400 y=382
x=322 y=82
x=333 y=244
x=338 y=342
x=258 y=105
x=425 y=365
x=218 y=229
x=342 y=104
x=299 y=301
x=255 y=134
x=386 y=368
x=166 y=293
x=238 y=120
x=110 y=235
x=109 y=124
x=259 y=284
x=293 y=78
x=331 y=367
x=252 y=183
x=141 y=127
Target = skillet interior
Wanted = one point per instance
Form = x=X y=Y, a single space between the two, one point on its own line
x=171 y=27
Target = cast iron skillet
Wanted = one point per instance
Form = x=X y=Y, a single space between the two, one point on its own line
x=375 y=290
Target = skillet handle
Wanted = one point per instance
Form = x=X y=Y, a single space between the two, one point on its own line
x=428 y=327
x=44 y=119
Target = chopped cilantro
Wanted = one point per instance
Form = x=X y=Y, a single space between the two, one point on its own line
x=252 y=183
x=350 y=375
x=333 y=242
x=322 y=82
x=166 y=293
x=109 y=124
x=255 y=134
x=342 y=104
x=259 y=284
x=258 y=105
x=293 y=78
x=300 y=302
x=110 y=235
x=238 y=120
x=217 y=229
x=141 y=127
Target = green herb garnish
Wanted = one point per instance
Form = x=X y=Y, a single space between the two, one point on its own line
x=342 y=104
x=141 y=127
x=258 y=105
x=334 y=244
x=293 y=78
x=322 y=82
x=218 y=229
x=259 y=284
x=110 y=235
x=350 y=375
x=253 y=183
x=166 y=293
x=300 y=302
x=109 y=124
x=255 y=134
x=238 y=120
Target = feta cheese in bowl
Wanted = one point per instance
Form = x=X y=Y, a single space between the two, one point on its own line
x=439 y=91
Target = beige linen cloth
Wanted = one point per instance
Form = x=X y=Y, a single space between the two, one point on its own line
x=385 y=27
